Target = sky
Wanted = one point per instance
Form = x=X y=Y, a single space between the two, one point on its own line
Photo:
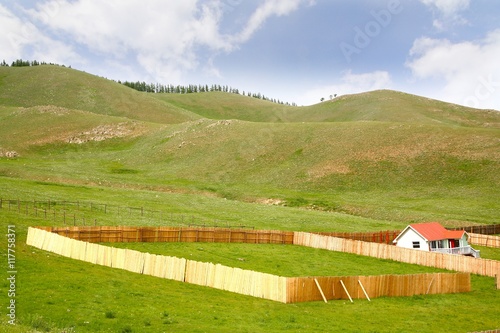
x=297 y=51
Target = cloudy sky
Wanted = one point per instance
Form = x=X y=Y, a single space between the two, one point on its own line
x=293 y=50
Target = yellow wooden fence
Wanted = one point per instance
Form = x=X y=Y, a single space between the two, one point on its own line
x=484 y=240
x=257 y=284
x=457 y=263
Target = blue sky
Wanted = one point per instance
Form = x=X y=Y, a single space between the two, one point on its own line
x=293 y=50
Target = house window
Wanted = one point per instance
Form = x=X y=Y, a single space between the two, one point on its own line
x=416 y=245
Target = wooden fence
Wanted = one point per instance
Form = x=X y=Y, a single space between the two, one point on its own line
x=385 y=237
x=305 y=289
x=488 y=229
x=237 y=280
x=172 y=234
x=383 y=251
x=484 y=240
x=267 y=286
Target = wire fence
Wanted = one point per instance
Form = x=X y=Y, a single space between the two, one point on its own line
x=88 y=213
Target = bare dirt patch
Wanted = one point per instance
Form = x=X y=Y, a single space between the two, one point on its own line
x=103 y=132
x=8 y=153
x=52 y=109
x=329 y=168
x=271 y=202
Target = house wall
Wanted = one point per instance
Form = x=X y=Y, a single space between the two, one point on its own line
x=463 y=241
x=408 y=237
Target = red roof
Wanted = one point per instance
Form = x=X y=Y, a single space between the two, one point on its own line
x=433 y=231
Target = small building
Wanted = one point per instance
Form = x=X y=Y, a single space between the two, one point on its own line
x=434 y=237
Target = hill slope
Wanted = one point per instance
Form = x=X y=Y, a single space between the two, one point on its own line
x=222 y=105
x=379 y=105
x=72 y=89
x=381 y=154
x=25 y=129
x=394 y=106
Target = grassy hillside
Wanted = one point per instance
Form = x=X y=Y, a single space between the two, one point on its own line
x=379 y=105
x=394 y=106
x=372 y=169
x=72 y=89
x=50 y=124
x=222 y=105
x=372 y=161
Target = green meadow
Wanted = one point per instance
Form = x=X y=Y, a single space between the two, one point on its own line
x=366 y=162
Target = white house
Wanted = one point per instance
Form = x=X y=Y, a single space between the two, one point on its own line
x=434 y=237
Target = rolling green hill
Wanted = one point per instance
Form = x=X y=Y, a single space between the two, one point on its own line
x=394 y=106
x=381 y=154
x=371 y=161
x=72 y=89
x=379 y=105
x=222 y=105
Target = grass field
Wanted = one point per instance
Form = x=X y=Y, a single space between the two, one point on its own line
x=366 y=162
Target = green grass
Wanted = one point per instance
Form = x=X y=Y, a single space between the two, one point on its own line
x=380 y=105
x=395 y=178
x=286 y=260
x=372 y=161
x=72 y=89
x=68 y=297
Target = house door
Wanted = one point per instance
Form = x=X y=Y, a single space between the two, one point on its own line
x=452 y=243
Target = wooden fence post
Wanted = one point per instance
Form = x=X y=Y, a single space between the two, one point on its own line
x=348 y=295
x=321 y=290
x=430 y=285
x=364 y=291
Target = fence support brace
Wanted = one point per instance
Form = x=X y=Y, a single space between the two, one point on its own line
x=364 y=291
x=320 y=290
x=429 y=288
x=343 y=285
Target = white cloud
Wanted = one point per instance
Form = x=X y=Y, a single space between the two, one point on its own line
x=448 y=7
x=448 y=12
x=469 y=72
x=15 y=34
x=263 y=12
x=349 y=84
x=162 y=37
x=20 y=38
